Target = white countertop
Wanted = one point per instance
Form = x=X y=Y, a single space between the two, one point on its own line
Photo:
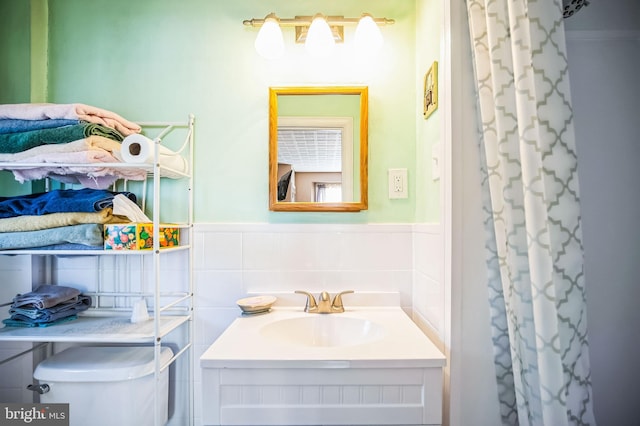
x=244 y=345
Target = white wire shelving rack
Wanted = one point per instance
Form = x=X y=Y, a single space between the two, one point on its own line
x=108 y=321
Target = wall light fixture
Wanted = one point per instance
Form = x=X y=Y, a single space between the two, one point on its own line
x=319 y=33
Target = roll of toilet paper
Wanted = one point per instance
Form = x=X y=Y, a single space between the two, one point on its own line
x=139 y=149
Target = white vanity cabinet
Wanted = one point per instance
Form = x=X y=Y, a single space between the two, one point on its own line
x=331 y=396
x=278 y=369
x=117 y=279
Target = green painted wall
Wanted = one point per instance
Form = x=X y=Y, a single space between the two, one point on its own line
x=428 y=27
x=15 y=50
x=15 y=68
x=152 y=60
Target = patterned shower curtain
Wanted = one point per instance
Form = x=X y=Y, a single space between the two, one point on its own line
x=532 y=212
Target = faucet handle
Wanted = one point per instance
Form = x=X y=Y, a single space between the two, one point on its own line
x=337 y=305
x=324 y=296
x=311 y=301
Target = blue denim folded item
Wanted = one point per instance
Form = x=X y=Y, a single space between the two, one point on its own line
x=46 y=296
x=59 y=311
x=9 y=322
x=59 y=201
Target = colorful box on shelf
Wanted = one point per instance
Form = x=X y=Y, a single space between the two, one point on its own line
x=138 y=236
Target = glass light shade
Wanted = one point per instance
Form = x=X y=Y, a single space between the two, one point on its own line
x=368 y=37
x=320 y=40
x=269 y=43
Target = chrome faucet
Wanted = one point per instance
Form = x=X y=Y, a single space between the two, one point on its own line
x=324 y=304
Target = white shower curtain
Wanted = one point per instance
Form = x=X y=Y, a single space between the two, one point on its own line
x=532 y=212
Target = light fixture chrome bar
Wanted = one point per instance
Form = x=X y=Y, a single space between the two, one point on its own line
x=306 y=21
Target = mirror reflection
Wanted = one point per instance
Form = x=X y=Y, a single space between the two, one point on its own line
x=318 y=148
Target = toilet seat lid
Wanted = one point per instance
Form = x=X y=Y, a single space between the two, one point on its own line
x=100 y=363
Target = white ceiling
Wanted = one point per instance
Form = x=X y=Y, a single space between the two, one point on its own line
x=310 y=150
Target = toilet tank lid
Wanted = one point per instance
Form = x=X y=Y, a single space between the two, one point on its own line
x=100 y=364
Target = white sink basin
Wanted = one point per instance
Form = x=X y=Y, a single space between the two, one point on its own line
x=323 y=330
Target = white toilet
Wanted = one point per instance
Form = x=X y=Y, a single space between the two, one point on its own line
x=106 y=385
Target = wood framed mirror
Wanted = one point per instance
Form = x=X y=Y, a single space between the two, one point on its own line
x=318 y=148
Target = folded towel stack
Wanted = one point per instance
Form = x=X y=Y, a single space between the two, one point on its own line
x=75 y=112
x=31 y=134
x=59 y=219
x=47 y=305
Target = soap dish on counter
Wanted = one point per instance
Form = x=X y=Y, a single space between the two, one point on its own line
x=256 y=304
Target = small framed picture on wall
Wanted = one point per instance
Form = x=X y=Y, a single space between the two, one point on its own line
x=430 y=98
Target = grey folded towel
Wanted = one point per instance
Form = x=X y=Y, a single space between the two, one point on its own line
x=46 y=296
x=59 y=311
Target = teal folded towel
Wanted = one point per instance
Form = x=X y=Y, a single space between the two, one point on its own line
x=11 y=143
x=9 y=322
x=16 y=126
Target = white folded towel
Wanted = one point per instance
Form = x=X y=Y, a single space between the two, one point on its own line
x=123 y=206
x=93 y=142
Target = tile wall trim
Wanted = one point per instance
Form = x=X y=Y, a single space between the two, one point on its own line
x=303 y=227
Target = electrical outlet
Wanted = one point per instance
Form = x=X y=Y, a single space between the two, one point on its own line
x=398 y=183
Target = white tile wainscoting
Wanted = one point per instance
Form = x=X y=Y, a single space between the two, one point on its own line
x=235 y=260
